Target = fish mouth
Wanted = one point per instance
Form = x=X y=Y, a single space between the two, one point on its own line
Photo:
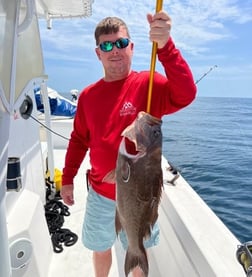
x=142 y=134
x=129 y=149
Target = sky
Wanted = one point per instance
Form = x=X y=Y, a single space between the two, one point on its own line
x=215 y=38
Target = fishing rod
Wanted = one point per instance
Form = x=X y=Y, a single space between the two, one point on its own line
x=205 y=74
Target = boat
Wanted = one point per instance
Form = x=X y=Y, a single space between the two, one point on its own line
x=59 y=105
x=193 y=240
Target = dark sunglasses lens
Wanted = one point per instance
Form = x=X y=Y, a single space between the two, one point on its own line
x=122 y=43
x=106 y=46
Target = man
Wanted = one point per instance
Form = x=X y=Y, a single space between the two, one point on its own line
x=105 y=109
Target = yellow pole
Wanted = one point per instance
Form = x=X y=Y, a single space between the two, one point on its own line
x=159 y=5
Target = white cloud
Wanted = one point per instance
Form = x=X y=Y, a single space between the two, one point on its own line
x=195 y=23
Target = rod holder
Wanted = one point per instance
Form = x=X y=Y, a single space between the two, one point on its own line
x=14 y=182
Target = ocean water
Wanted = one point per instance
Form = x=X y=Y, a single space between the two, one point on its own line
x=210 y=143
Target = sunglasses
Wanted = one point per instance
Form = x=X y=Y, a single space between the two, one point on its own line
x=121 y=43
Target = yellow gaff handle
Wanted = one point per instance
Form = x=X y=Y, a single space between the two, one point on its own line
x=159 y=5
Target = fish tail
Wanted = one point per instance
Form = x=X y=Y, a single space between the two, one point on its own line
x=133 y=260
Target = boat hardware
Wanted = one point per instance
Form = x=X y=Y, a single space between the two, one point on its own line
x=49 y=129
x=14 y=182
x=244 y=256
x=26 y=107
x=175 y=172
x=28 y=16
x=21 y=251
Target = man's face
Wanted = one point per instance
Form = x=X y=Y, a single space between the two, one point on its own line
x=117 y=62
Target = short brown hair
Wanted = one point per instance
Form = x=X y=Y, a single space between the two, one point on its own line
x=109 y=25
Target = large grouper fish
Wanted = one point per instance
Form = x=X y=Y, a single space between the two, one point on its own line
x=139 y=181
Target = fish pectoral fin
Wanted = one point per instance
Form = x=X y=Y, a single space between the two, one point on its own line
x=110 y=177
x=154 y=202
x=143 y=197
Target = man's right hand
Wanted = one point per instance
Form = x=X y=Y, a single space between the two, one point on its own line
x=67 y=195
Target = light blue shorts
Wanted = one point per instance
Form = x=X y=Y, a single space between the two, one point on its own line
x=98 y=233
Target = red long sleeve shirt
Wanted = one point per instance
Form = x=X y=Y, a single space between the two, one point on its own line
x=105 y=109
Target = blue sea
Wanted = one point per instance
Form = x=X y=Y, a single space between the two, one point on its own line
x=210 y=143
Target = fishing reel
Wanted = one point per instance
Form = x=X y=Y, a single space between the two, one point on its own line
x=244 y=256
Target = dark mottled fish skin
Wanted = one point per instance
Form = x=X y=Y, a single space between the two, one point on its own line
x=139 y=185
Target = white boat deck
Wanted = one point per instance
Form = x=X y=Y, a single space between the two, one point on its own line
x=193 y=242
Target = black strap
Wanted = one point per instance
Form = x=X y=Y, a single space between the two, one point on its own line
x=63 y=236
x=55 y=211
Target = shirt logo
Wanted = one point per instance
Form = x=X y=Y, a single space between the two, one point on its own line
x=127 y=109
